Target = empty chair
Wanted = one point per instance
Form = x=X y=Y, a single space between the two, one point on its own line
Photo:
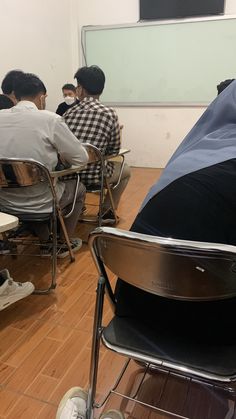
x=178 y=271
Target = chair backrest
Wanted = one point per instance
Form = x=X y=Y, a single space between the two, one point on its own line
x=15 y=173
x=95 y=155
x=178 y=269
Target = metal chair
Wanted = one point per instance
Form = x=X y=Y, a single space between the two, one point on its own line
x=173 y=269
x=104 y=187
x=22 y=173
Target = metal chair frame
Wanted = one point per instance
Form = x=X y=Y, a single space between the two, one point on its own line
x=29 y=172
x=156 y=265
x=104 y=185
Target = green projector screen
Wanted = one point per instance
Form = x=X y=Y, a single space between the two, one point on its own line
x=176 y=63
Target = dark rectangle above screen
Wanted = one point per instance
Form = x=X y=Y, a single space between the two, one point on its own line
x=171 y=9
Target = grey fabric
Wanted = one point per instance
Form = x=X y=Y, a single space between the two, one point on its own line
x=118 y=191
x=66 y=204
x=212 y=140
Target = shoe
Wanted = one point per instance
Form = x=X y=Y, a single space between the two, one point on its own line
x=112 y=414
x=108 y=218
x=11 y=291
x=73 y=404
x=4 y=248
x=63 y=251
x=22 y=231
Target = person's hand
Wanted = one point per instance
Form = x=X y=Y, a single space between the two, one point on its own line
x=62 y=164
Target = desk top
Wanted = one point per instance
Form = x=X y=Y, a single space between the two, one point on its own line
x=75 y=169
x=7 y=222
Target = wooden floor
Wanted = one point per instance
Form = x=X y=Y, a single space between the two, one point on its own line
x=45 y=341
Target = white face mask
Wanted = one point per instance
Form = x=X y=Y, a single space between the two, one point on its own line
x=69 y=100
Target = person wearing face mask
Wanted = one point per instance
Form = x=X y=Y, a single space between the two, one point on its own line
x=28 y=131
x=70 y=99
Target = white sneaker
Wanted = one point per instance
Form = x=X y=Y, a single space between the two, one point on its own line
x=112 y=414
x=73 y=404
x=11 y=291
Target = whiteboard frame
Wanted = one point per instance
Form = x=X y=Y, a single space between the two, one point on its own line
x=89 y=28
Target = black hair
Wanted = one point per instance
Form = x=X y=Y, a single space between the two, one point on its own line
x=5 y=102
x=223 y=85
x=92 y=79
x=69 y=86
x=9 y=81
x=28 y=85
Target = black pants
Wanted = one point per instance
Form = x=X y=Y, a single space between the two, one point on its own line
x=201 y=320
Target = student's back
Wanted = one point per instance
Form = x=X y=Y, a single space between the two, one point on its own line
x=193 y=200
x=27 y=131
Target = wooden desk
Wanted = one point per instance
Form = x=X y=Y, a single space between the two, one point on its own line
x=73 y=169
x=122 y=152
x=7 y=222
x=76 y=169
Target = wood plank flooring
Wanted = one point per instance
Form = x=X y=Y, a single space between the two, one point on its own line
x=45 y=341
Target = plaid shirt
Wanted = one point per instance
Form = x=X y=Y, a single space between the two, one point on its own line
x=91 y=122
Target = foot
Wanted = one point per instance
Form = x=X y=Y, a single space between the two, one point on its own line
x=4 y=247
x=73 y=404
x=62 y=249
x=11 y=291
x=112 y=414
x=108 y=218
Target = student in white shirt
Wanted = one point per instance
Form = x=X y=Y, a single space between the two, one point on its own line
x=29 y=131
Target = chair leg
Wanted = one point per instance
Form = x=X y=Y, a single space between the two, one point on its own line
x=53 y=283
x=101 y=199
x=60 y=217
x=97 y=331
x=108 y=187
x=54 y=252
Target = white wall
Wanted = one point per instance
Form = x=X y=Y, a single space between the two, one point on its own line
x=230 y=7
x=36 y=36
x=43 y=37
x=151 y=133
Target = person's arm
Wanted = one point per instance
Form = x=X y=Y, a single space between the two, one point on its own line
x=113 y=146
x=68 y=146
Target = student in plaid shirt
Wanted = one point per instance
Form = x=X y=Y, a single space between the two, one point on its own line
x=93 y=123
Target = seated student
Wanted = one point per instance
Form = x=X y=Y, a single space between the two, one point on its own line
x=70 y=99
x=8 y=82
x=28 y=131
x=193 y=200
x=221 y=86
x=94 y=123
